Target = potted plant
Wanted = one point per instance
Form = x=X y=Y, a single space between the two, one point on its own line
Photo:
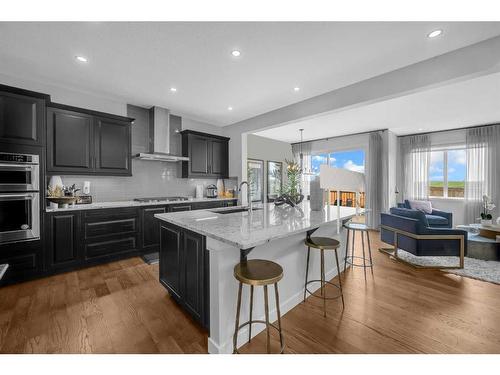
x=290 y=193
x=488 y=206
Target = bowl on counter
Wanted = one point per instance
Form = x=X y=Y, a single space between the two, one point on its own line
x=62 y=202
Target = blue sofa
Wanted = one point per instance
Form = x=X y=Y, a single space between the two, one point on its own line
x=412 y=232
x=436 y=219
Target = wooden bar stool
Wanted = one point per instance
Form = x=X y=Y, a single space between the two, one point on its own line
x=363 y=229
x=258 y=272
x=323 y=243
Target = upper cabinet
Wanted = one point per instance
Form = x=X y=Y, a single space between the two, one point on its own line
x=22 y=116
x=87 y=142
x=208 y=155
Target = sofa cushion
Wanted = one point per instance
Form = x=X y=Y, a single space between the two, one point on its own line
x=424 y=206
x=412 y=214
x=435 y=220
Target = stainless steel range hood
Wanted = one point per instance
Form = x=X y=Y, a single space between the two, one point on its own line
x=164 y=137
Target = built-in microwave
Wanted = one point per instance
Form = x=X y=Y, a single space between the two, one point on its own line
x=19 y=216
x=19 y=172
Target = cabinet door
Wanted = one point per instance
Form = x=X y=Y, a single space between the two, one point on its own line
x=151 y=228
x=170 y=259
x=69 y=141
x=63 y=243
x=21 y=119
x=193 y=274
x=113 y=147
x=198 y=155
x=218 y=158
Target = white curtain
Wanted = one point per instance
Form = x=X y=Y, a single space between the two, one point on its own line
x=416 y=156
x=483 y=170
x=374 y=180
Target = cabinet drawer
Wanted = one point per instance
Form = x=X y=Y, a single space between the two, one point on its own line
x=101 y=249
x=109 y=214
x=20 y=267
x=111 y=227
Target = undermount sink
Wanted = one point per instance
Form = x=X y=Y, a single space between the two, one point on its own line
x=233 y=210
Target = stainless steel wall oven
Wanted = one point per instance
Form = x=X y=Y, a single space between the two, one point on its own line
x=19 y=197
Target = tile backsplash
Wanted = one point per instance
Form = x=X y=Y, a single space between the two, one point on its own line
x=149 y=179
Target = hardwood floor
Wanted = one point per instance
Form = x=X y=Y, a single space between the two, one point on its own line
x=114 y=308
x=121 y=308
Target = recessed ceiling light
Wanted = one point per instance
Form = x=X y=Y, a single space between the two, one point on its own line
x=81 y=59
x=420 y=129
x=229 y=108
x=236 y=53
x=173 y=89
x=296 y=89
x=435 y=33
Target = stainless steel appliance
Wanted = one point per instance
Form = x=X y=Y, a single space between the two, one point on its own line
x=19 y=172
x=19 y=216
x=211 y=191
x=19 y=197
x=161 y=199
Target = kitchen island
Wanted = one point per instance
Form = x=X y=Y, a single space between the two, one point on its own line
x=199 y=250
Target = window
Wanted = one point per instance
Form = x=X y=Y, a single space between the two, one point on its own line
x=353 y=160
x=447 y=173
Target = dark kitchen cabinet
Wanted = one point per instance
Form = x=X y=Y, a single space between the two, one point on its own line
x=171 y=247
x=113 y=146
x=62 y=238
x=184 y=269
x=110 y=234
x=24 y=260
x=70 y=146
x=86 y=142
x=151 y=228
x=179 y=207
x=208 y=155
x=22 y=116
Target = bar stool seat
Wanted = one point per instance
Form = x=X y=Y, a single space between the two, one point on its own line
x=323 y=243
x=351 y=259
x=258 y=272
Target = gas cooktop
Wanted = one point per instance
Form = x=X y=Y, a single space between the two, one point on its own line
x=161 y=199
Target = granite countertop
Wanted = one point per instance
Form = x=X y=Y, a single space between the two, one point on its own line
x=131 y=203
x=268 y=222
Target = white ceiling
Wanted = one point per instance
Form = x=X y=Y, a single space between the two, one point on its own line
x=139 y=62
x=467 y=103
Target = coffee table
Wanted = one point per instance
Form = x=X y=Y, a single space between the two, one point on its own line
x=481 y=241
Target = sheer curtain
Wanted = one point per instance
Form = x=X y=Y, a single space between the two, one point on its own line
x=416 y=156
x=483 y=170
x=374 y=181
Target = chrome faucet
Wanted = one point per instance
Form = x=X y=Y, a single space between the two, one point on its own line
x=249 y=199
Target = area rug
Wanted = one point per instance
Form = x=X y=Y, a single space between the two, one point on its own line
x=474 y=268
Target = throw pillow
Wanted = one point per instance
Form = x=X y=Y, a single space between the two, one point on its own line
x=424 y=206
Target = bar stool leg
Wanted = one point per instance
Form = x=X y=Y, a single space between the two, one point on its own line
x=369 y=249
x=278 y=312
x=266 y=306
x=307 y=272
x=251 y=311
x=352 y=245
x=340 y=279
x=346 y=250
x=237 y=323
x=364 y=257
x=323 y=291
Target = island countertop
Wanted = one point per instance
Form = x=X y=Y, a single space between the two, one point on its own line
x=267 y=222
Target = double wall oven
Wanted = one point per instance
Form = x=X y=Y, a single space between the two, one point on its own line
x=19 y=197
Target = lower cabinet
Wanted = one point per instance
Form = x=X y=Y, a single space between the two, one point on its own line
x=151 y=228
x=24 y=260
x=184 y=270
x=62 y=238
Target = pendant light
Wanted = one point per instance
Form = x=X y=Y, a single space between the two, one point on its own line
x=301 y=155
